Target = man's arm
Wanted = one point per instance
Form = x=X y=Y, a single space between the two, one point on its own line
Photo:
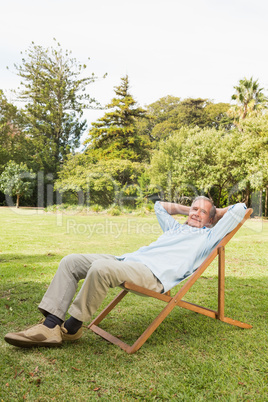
x=229 y=218
x=174 y=209
x=220 y=212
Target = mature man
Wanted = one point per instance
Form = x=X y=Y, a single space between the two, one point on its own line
x=176 y=254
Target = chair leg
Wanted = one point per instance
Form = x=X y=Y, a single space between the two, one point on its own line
x=152 y=327
x=221 y=284
x=143 y=337
x=107 y=310
x=221 y=288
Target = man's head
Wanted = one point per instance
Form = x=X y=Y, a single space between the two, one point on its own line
x=202 y=212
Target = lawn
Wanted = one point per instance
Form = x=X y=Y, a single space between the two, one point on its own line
x=190 y=357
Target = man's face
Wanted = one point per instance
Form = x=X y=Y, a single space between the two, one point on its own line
x=199 y=214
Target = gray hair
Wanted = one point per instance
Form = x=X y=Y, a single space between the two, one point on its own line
x=212 y=211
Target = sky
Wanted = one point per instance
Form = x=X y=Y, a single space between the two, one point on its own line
x=184 y=48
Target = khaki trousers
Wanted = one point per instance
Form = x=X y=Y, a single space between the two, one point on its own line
x=100 y=272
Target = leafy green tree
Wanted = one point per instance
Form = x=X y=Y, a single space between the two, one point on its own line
x=16 y=180
x=202 y=113
x=249 y=98
x=170 y=114
x=162 y=108
x=103 y=182
x=54 y=91
x=160 y=121
x=217 y=116
x=210 y=161
x=13 y=144
x=115 y=135
x=255 y=131
x=191 y=112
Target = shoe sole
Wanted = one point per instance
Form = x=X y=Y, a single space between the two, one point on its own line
x=28 y=344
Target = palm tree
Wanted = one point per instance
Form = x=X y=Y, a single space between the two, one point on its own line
x=249 y=97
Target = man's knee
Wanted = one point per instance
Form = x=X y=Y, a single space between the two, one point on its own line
x=68 y=260
x=70 y=263
x=104 y=272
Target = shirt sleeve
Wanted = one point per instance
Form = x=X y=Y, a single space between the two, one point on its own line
x=228 y=222
x=164 y=218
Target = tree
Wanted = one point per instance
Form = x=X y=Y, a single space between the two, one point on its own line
x=255 y=130
x=16 y=180
x=217 y=116
x=103 y=182
x=162 y=108
x=210 y=161
x=249 y=97
x=55 y=96
x=202 y=113
x=12 y=140
x=115 y=135
x=191 y=112
x=159 y=123
x=170 y=114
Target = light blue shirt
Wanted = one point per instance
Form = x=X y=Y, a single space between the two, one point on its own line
x=181 y=249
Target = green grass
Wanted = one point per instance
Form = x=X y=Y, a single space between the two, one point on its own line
x=190 y=357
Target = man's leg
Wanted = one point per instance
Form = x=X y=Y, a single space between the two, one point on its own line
x=105 y=274
x=56 y=302
x=63 y=286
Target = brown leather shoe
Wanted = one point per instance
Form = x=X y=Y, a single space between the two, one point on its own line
x=39 y=335
x=69 y=337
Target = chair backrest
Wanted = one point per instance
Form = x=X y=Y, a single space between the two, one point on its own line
x=226 y=238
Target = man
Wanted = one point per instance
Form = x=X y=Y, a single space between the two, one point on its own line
x=176 y=254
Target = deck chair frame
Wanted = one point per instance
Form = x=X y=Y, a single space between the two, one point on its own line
x=176 y=300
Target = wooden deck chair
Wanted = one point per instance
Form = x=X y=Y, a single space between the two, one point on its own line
x=176 y=300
